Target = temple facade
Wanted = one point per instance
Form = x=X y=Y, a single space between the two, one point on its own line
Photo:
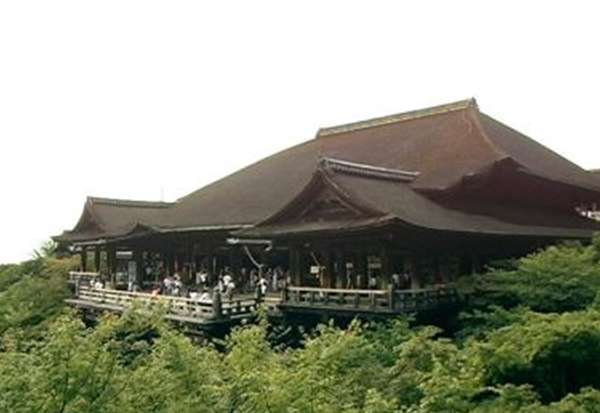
x=403 y=202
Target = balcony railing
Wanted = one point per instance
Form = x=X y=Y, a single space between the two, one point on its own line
x=292 y=299
x=382 y=301
x=177 y=308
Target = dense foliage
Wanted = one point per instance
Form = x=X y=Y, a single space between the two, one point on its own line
x=506 y=357
x=560 y=278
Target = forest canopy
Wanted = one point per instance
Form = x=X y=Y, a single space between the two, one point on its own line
x=528 y=340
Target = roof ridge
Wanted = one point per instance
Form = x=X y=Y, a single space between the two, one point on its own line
x=398 y=117
x=365 y=170
x=129 y=202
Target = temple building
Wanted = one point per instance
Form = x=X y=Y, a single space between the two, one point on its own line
x=409 y=200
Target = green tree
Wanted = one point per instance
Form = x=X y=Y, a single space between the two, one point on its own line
x=556 y=354
x=560 y=278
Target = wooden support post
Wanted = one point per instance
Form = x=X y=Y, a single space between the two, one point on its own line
x=235 y=261
x=167 y=263
x=341 y=270
x=103 y=261
x=361 y=270
x=386 y=271
x=137 y=259
x=77 y=287
x=327 y=282
x=84 y=252
x=391 y=302
x=111 y=261
x=412 y=268
x=217 y=307
x=210 y=267
x=295 y=265
x=97 y=259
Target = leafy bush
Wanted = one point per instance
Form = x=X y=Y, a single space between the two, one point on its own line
x=560 y=278
x=556 y=354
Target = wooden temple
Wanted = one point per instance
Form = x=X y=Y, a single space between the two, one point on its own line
x=373 y=216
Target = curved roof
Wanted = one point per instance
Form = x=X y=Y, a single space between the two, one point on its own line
x=444 y=146
x=379 y=201
x=106 y=217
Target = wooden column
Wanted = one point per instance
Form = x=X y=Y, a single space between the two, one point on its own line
x=210 y=267
x=340 y=276
x=235 y=261
x=361 y=270
x=111 y=261
x=295 y=265
x=137 y=258
x=412 y=268
x=97 y=259
x=328 y=263
x=84 y=252
x=386 y=270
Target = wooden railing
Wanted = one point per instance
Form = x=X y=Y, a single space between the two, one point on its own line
x=176 y=307
x=424 y=298
x=300 y=298
x=369 y=300
x=83 y=277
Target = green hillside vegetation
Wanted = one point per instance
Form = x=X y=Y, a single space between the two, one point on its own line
x=529 y=341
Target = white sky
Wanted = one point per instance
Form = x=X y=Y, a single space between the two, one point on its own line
x=123 y=98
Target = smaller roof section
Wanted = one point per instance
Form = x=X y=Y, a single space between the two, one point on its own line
x=103 y=218
x=345 y=197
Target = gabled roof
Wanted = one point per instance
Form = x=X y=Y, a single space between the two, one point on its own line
x=105 y=217
x=443 y=145
x=390 y=202
x=444 y=149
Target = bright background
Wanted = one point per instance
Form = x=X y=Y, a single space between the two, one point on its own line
x=154 y=99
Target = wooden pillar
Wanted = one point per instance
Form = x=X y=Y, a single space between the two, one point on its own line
x=137 y=259
x=84 y=252
x=169 y=263
x=295 y=265
x=103 y=261
x=386 y=270
x=210 y=267
x=340 y=276
x=412 y=268
x=97 y=259
x=111 y=261
x=235 y=261
x=327 y=281
x=361 y=270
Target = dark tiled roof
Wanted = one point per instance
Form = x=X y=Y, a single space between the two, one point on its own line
x=397 y=202
x=105 y=217
x=442 y=145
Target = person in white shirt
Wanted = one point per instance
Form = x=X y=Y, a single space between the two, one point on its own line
x=204 y=297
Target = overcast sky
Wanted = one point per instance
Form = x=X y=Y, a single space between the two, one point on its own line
x=148 y=99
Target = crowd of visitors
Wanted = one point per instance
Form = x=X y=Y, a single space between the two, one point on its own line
x=202 y=287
